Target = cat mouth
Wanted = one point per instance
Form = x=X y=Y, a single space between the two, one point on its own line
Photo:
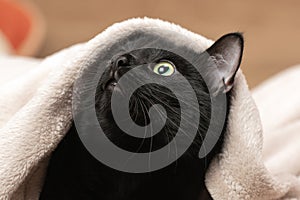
x=112 y=85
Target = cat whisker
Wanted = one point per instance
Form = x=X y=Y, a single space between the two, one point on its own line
x=176 y=151
x=142 y=107
x=137 y=110
x=198 y=143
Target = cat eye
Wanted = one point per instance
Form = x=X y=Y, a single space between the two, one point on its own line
x=164 y=68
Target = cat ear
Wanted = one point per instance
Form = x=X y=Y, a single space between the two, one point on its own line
x=226 y=53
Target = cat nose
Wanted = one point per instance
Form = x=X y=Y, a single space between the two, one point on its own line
x=121 y=62
x=121 y=66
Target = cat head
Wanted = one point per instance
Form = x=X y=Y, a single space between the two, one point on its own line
x=165 y=69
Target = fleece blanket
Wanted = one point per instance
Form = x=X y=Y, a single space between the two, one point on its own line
x=36 y=113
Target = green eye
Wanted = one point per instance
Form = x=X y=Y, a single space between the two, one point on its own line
x=164 y=68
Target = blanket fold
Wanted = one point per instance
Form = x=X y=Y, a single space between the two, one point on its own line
x=36 y=113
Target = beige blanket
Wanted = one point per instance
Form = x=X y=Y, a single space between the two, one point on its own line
x=36 y=113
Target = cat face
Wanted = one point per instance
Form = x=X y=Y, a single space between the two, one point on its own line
x=165 y=67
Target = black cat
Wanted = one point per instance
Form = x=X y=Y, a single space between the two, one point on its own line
x=73 y=173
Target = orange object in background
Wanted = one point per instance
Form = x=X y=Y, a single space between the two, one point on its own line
x=22 y=26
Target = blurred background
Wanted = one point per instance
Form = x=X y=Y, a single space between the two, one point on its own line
x=271 y=28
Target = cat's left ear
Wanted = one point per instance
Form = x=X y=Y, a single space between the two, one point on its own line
x=227 y=53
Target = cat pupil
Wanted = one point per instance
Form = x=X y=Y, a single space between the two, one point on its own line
x=163 y=69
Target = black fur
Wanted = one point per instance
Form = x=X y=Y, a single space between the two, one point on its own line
x=73 y=173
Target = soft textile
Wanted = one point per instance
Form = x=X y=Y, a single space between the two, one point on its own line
x=36 y=113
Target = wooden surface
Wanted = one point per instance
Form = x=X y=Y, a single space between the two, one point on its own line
x=271 y=28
